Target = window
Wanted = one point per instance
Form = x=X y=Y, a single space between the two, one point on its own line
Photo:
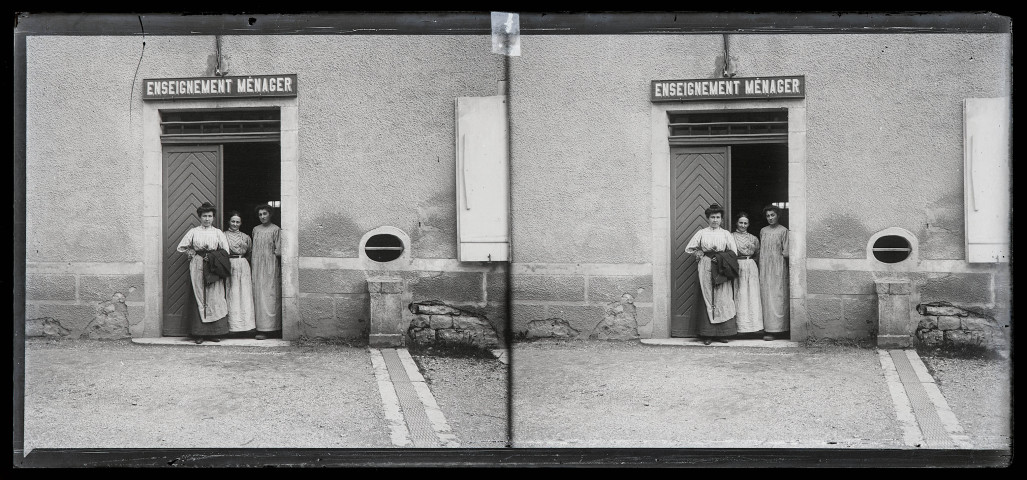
x=233 y=125
x=734 y=126
x=896 y=247
x=891 y=249
x=383 y=247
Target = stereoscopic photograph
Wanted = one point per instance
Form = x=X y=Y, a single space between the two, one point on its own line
x=485 y=238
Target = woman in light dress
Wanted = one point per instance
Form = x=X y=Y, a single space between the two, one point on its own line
x=208 y=320
x=748 y=310
x=716 y=319
x=267 y=286
x=240 y=284
x=774 y=274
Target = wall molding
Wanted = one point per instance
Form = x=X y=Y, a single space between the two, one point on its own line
x=414 y=265
x=926 y=266
x=85 y=268
x=598 y=269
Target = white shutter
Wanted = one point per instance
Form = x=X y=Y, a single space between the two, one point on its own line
x=987 y=195
x=482 y=179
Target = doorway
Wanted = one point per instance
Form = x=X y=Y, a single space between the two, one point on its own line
x=738 y=160
x=252 y=177
x=233 y=176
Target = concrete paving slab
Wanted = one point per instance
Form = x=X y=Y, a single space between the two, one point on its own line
x=472 y=392
x=120 y=394
x=634 y=394
x=979 y=394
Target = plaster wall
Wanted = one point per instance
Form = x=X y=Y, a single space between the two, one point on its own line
x=83 y=175
x=376 y=134
x=374 y=122
x=883 y=110
x=882 y=147
x=375 y=147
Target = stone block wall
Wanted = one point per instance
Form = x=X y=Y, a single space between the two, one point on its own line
x=945 y=325
x=438 y=324
x=582 y=306
x=75 y=305
x=335 y=302
x=843 y=304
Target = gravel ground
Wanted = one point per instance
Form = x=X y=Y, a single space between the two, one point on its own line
x=116 y=394
x=979 y=392
x=628 y=394
x=472 y=394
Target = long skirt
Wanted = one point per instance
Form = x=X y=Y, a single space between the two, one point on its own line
x=267 y=288
x=748 y=308
x=240 y=297
x=216 y=307
x=718 y=304
x=774 y=292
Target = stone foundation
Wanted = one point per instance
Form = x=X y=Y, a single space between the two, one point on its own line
x=550 y=328
x=110 y=322
x=45 y=327
x=582 y=305
x=436 y=323
x=943 y=324
x=87 y=306
x=619 y=323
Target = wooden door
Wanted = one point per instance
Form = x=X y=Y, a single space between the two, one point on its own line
x=699 y=177
x=192 y=175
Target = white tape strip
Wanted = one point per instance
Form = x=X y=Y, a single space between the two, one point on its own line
x=431 y=407
x=398 y=432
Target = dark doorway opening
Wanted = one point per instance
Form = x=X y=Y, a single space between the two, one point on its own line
x=252 y=176
x=759 y=177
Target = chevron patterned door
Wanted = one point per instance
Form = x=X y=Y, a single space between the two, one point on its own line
x=699 y=176
x=192 y=175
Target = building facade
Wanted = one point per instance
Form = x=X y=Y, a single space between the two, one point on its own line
x=370 y=142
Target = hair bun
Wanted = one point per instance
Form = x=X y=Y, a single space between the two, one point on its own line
x=714 y=205
x=207 y=205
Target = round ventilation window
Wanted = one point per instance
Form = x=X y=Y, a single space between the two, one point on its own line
x=891 y=249
x=383 y=247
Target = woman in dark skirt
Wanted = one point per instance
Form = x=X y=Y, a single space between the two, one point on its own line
x=209 y=318
x=716 y=317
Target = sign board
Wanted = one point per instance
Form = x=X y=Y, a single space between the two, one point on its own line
x=220 y=87
x=728 y=88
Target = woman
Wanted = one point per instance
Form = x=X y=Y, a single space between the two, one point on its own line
x=267 y=248
x=240 y=284
x=774 y=274
x=748 y=311
x=716 y=317
x=209 y=319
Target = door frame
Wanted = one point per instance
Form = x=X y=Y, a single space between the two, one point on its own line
x=661 y=219
x=153 y=200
